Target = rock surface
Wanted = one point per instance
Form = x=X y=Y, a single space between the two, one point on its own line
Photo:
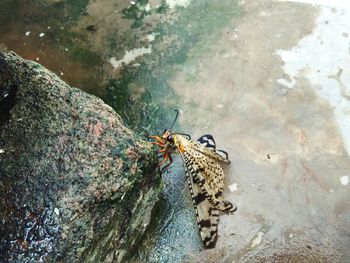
x=74 y=183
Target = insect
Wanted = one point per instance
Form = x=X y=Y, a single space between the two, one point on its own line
x=204 y=174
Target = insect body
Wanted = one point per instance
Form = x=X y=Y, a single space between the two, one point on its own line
x=205 y=178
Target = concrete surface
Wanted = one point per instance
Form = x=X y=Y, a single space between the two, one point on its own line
x=274 y=92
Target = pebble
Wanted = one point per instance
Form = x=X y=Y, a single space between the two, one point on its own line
x=344 y=180
x=233 y=187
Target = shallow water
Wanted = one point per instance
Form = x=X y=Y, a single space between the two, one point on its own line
x=253 y=74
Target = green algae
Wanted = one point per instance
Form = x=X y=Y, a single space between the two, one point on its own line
x=156 y=69
x=84 y=56
x=8 y=13
x=136 y=12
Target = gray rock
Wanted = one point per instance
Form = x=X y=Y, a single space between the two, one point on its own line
x=75 y=185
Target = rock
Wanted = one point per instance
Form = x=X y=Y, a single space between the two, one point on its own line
x=75 y=185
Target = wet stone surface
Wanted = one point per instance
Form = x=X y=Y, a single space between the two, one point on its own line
x=75 y=185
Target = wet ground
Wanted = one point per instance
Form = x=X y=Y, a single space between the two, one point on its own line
x=269 y=79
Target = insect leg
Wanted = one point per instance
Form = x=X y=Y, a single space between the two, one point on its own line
x=157 y=138
x=163 y=150
x=166 y=156
x=170 y=162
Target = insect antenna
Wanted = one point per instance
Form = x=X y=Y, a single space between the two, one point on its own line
x=185 y=134
x=177 y=114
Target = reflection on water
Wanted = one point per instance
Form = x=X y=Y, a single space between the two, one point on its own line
x=43 y=31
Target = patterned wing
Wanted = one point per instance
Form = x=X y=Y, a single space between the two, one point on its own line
x=209 y=176
x=207 y=141
x=207 y=216
x=206 y=145
x=206 y=182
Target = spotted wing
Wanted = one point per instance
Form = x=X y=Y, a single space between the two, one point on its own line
x=208 y=174
x=206 y=144
x=207 y=216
